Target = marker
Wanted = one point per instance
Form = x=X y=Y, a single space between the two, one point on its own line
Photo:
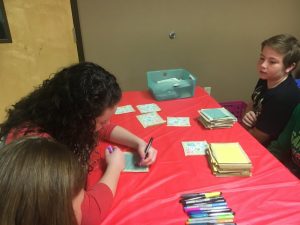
x=204 y=223
x=197 y=203
x=216 y=199
x=205 y=209
x=148 y=147
x=199 y=198
x=195 y=211
x=208 y=220
x=227 y=215
x=206 y=205
x=110 y=149
x=205 y=218
x=207 y=194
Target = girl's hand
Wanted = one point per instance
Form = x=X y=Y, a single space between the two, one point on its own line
x=250 y=119
x=151 y=155
x=115 y=159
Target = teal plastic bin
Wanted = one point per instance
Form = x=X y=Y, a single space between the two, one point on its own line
x=171 y=84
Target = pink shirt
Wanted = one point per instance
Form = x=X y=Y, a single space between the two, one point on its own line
x=98 y=197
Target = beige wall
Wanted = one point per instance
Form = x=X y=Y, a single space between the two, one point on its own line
x=42 y=34
x=217 y=40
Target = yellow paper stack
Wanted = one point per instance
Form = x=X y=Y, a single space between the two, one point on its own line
x=229 y=159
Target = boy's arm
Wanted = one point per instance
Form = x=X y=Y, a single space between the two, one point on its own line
x=249 y=119
x=261 y=136
x=249 y=107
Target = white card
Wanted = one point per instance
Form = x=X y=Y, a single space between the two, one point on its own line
x=124 y=109
x=146 y=108
x=194 y=147
x=178 y=121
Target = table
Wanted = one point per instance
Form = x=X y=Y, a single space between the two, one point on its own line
x=270 y=196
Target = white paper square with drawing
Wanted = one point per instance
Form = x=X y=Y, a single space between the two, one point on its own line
x=146 y=108
x=194 y=147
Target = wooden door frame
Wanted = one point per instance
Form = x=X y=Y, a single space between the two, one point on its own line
x=76 y=22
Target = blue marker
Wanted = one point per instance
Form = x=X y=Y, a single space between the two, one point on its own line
x=204 y=203
x=206 y=209
x=218 y=214
x=195 y=211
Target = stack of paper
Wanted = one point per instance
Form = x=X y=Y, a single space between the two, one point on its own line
x=216 y=118
x=228 y=159
x=146 y=108
x=150 y=119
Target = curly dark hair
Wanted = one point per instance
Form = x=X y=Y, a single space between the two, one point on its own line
x=66 y=106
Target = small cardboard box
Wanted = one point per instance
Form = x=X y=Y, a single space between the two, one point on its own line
x=171 y=84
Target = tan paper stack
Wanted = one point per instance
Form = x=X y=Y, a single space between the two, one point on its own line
x=228 y=159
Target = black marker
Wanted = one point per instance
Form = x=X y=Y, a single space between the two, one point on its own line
x=148 y=147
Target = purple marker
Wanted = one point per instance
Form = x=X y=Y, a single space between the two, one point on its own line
x=110 y=149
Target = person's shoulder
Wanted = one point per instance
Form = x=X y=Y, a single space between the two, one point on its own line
x=291 y=84
x=290 y=87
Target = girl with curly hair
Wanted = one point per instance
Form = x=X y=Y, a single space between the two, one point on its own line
x=74 y=108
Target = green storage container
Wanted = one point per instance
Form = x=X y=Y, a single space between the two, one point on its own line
x=171 y=84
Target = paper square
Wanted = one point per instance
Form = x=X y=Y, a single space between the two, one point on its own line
x=194 y=147
x=150 y=119
x=124 y=109
x=131 y=163
x=178 y=121
x=146 y=108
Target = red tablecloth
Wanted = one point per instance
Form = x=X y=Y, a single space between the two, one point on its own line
x=270 y=196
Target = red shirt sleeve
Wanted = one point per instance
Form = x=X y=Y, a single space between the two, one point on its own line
x=96 y=204
x=97 y=157
x=104 y=133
